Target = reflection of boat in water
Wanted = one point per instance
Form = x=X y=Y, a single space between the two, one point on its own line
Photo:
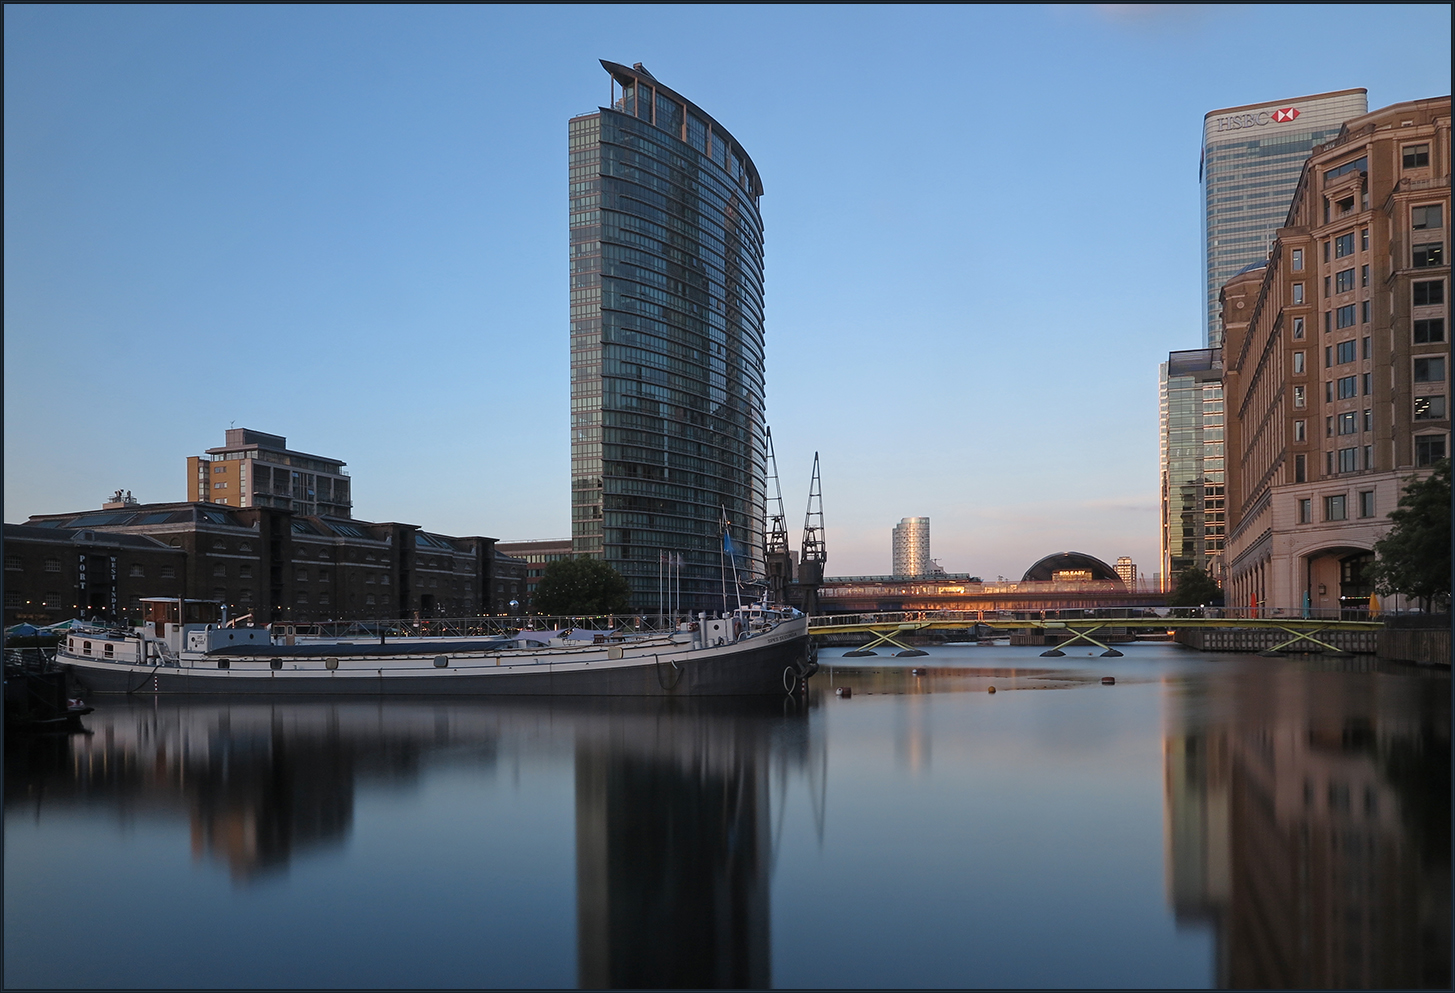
x=674 y=837
x=752 y=651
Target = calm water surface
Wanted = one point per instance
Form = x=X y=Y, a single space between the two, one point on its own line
x=1209 y=820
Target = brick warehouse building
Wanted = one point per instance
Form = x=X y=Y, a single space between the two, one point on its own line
x=269 y=562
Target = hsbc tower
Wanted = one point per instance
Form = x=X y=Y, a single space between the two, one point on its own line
x=1251 y=160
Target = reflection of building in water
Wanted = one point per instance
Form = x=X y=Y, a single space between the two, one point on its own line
x=260 y=784
x=913 y=731
x=673 y=849
x=1300 y=826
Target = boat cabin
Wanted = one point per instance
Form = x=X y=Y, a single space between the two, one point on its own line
x=158 y=612
x=169 y=619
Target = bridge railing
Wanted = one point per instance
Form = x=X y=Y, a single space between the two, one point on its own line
x=1105 y=614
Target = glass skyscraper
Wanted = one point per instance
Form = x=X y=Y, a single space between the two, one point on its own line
x=1193 y=482
x=1251 y=160
x=667 y=395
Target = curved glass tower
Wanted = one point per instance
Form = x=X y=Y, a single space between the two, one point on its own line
x=667 y=429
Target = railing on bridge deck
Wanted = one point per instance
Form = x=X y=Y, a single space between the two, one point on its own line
x=1106 y=615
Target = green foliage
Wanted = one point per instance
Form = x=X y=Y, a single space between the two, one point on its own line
x=581 y=587
x=1194 y=588
x=1414 y=557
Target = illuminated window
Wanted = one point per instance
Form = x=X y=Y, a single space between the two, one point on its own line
x=1431 y=408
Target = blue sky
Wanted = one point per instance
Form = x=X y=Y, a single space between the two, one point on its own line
x=347 y=225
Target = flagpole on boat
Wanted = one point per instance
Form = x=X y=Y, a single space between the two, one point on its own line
x=721 y=557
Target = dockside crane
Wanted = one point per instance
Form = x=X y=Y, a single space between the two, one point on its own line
x=777 y=559
x=813 y=555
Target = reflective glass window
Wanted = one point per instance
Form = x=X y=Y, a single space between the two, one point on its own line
x=1427 y=293
x=1429 y=331
x=1430 y=370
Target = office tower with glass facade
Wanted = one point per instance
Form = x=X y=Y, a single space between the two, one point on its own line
x=912 y=547
x=667 y=348
x=1191 y=441
x=1251 y=160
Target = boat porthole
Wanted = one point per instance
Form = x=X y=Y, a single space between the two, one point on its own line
x=440 y=661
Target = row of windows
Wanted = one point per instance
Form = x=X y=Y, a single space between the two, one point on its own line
x=1423 y=293
x=729 y=160
x=684 y=189
x=1336 y=507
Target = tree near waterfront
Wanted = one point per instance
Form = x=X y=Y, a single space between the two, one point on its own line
x=581 y=586
x=1194 y=588
x=1414 y=557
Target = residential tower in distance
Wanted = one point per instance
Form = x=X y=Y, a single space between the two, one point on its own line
x=912 y=547
x=256 y=469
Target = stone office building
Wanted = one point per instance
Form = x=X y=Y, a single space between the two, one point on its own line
x=1336 y=363
x=267 y=562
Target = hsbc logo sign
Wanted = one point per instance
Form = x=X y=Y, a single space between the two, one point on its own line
x=1258 y=119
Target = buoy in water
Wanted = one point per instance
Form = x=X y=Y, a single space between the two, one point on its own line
x=990 y=690
x=919 y=672
x=845 y=691
x=1108 y=680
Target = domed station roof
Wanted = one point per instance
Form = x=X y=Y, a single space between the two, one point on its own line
x=1071 y=567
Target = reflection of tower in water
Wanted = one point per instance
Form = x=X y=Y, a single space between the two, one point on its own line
x=673 y=852
x=1300 y=825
